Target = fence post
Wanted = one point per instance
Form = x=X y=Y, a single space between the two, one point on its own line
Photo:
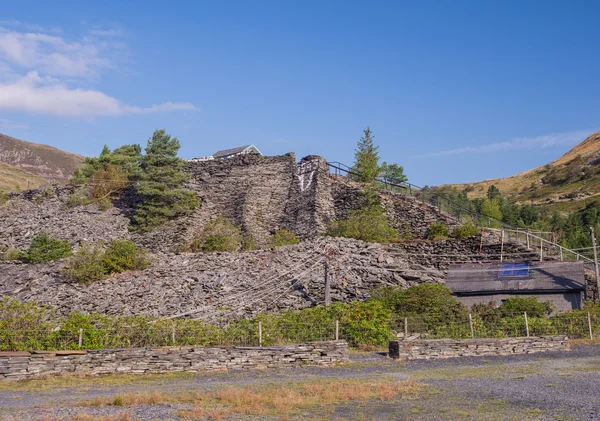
x=173 y=335
x=561 y=253
x=541 y=250
x=590 y=327
x=528 y=245
x=471 y=326
x=406 y=328
x=501 y=244
x=81 y=336
x=259 y=333
x=526 y=324
x=337 y=330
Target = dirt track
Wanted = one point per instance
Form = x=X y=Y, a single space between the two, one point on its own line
x=549 y=386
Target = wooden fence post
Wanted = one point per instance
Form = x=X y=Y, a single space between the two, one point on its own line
x=337 y=330
x=590 y=327
x=406 y=328
x=471 y=326
x=526 y=324
x=259 y=333
x=81 y=337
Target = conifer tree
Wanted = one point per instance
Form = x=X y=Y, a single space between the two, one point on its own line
x=161 y=184
x=366 y=158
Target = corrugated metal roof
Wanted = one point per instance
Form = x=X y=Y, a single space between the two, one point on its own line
x=232 y=151
x=538 y=276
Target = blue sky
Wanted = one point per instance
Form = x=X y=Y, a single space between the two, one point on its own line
x=453 y=91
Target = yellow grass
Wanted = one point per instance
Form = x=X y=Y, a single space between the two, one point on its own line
x=267 y=400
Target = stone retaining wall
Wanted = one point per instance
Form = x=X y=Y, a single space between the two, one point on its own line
x=448 y=348
x=27 y=365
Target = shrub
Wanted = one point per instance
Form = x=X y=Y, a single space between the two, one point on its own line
x=122 y=255
x=86 y=265
x=433 y=302
x=367 y=224
x=519 y=305
x=106 y=181
x=218 y=235
x=91 y=263
x=11 y=254
x=79 y=198
x=283 y=238
x=466 y=230
x=3 y=198
x=248 y=243
x=438 y=230
x=44 y=248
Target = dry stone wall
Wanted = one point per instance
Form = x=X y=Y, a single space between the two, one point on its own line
x=448 y=348
x=28 y=365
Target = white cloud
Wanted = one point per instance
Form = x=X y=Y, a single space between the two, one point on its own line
x=51 y=54
x=46 y=73
x=538 y=142
x=45 y=96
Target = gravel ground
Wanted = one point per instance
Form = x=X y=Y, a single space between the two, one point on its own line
x=549 y=386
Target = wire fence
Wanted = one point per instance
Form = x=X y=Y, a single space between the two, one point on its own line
x=575 y=325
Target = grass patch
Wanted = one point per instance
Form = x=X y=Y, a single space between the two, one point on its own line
x=270 y=399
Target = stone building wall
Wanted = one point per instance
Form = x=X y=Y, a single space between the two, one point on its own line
x=449 y=348
x=27 y=365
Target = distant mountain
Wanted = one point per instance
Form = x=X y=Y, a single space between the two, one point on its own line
x=570 y=181
x=22 y=161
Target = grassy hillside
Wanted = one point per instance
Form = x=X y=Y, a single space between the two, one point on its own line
x=567 y=183
x=40 y=164
x=11 y=177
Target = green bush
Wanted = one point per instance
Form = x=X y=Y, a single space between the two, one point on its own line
x=283 y=238
x=44 y=248
x=519 y=305
x=78 y=198
x=434 y=304
x=3 y=198
x=122 y=255
x=12 y=254
x=367 y=224
x=248 y=243
x=438 y=230
x=91 y=263
x=218 y=235
x=86 y=265
x=466 y=230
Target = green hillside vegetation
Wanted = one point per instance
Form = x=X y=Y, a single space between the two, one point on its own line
x=562 y=184
x=22 y=161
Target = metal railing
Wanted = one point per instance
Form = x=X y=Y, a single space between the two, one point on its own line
x=437 y=200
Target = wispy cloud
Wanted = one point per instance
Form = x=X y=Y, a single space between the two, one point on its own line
x=46 y=73
x=39 y=95
x=522 y=143
x=9 y=124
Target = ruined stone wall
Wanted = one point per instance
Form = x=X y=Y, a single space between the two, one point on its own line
x=449 y=348
x=28 y=365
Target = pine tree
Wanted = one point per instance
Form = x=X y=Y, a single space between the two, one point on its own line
x=366 y=158
x=161 y=184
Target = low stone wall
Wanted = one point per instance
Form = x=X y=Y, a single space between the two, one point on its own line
x=448 y=348
x=27 y=365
